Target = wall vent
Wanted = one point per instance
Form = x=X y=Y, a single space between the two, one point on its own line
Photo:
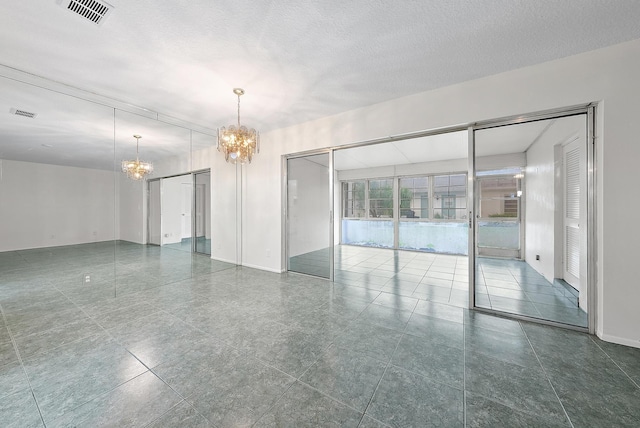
x=24 y=113
x=94 y=11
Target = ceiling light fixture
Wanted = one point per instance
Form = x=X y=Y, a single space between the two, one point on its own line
x=135 y=169
x=238 y=143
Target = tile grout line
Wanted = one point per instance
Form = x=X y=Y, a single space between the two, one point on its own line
x=149 y=369
x=24 y=370
x=380 y=380
x=615 y=362
x=546 y=375
x=126 y=350
x=364 y=413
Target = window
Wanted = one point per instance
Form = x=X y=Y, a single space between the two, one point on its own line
x=450 y=196
x=414 y=197
x=424 y=213
x=499 y=197
x=381 y=198
x=353 y=199
x=427 y=197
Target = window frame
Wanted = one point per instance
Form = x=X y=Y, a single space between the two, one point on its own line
x=397 y=198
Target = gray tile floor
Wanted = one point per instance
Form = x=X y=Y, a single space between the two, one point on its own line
x=504 y=285
x=203 y=245
x=185 y=341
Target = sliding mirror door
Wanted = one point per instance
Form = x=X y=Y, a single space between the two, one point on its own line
x=309 y=219
x=168 y=147
x=531 y=219
x=57 y=207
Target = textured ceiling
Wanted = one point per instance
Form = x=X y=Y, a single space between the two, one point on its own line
x=297 y=60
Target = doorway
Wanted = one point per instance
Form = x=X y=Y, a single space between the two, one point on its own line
x=530 y=203
x=309 y=215
x=496 y=220
x=179 y=212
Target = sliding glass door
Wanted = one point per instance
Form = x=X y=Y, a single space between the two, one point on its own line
x=309 y=215
x=531 y=219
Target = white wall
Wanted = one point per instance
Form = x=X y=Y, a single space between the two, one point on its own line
x=171 y=202
x=540 y=195
x=225 y=211
x=607 y=76
x=132 y=210
x=48 y=205
x=308 y=206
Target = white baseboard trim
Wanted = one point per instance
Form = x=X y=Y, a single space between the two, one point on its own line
x=262 y=268
x=620 y=340
x=218 y=259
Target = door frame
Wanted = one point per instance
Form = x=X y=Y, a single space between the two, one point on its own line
x=194 y=208
x=193 y=203
x=285 y=207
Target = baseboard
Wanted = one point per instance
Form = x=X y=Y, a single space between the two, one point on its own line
x=218 y=259
x=620 y=340
x=262 y=268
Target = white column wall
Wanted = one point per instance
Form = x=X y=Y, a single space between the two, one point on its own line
x=132 y=209
x=225 y=217
x=309 y=207
x=607 y=76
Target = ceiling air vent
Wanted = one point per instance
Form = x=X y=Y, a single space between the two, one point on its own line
x=94 y=11
x=24 y=113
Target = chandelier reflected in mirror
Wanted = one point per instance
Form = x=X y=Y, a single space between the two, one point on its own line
x=238 y=143
x=136 y=169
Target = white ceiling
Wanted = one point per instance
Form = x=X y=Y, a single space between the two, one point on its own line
x=516 y=138
x=297 y=60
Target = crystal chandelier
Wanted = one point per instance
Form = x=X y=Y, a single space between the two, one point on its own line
x=238 y=143
x=135 y=169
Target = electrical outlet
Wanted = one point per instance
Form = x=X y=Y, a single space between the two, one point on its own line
x=537 y=256
x=87 y=278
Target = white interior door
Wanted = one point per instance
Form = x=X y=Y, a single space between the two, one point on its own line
x=572 y=167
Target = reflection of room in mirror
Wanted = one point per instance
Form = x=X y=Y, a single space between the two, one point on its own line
x=531 y=253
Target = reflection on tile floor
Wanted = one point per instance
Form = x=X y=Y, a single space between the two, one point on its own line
x=503 y=285
x=185 y=341
x=203 y=245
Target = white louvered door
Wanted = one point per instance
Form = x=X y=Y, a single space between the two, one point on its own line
x=571 y=160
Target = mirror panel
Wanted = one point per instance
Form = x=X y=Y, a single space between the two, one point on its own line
x=138 y=265
x=57 y=216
